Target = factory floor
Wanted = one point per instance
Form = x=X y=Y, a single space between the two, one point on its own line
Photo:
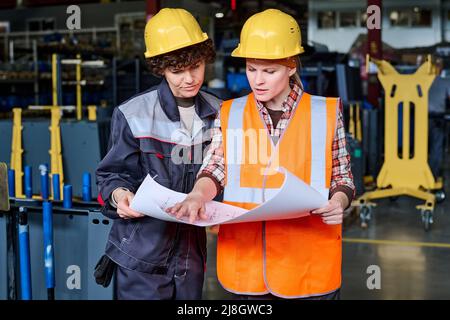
x=413 y=264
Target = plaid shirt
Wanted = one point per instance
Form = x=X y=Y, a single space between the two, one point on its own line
x=341 y=176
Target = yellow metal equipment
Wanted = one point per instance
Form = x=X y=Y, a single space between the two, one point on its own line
x=78 y=75
x=406 y=172
x=55 y=79
x=55 y=146
x=17 y=151
x=78 y=81
x=55 y=131
x=355 y=128
x=92 y=113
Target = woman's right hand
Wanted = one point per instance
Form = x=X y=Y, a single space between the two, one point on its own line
x=193 y=207
x=123 y=199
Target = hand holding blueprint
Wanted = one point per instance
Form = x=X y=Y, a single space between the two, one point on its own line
x=294 y=199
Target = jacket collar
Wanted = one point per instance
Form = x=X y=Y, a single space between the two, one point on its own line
x=169 y=104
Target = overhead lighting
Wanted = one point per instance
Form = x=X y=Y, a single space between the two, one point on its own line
x=416 y=9
x=394 y=15
x=219 y=15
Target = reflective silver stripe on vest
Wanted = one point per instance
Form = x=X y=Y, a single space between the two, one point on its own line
x=234 y=134
x=318 y=144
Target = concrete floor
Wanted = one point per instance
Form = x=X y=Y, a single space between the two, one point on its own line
x=413 y=264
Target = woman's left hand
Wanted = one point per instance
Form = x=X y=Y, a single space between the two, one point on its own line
x=333 y=212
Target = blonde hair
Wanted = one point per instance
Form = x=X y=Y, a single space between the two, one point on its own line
x=296 y=76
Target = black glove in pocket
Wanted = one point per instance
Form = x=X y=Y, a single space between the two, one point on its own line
x=104 y=271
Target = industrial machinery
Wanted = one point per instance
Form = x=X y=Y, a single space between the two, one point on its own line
x=405 y=170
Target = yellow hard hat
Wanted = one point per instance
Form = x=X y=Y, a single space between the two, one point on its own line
x=171 y=29
x=271 y=34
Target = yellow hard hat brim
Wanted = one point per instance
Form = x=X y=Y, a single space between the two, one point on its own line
x=180 y=46
x=237 y=53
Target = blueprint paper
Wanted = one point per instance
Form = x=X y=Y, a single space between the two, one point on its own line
x=152 y=199
x=294 y=199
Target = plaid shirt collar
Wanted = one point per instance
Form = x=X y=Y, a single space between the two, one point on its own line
x=288 y=104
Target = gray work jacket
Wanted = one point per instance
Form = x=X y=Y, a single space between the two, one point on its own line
x=146 y=138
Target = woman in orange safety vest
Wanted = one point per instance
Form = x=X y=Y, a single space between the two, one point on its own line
x=277 y=124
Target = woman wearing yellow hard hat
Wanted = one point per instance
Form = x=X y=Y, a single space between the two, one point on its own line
x=159 y=132
x=295 y=258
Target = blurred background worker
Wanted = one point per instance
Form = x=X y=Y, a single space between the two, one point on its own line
x=438 y=97
x=294 y=258
x=160 y=132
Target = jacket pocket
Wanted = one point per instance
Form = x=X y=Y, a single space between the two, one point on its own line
x=130 y=227
x=152 y=241
x=157 y=158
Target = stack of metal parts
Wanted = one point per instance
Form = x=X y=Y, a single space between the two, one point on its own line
x=50 y=246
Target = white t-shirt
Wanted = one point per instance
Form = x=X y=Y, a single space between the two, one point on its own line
x=187 y=117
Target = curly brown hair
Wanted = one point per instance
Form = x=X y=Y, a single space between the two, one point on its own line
x=182 y=58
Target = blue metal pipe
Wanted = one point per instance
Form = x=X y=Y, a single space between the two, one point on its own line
x=24 y=254
x=12 y=183
x=87 y=196
x=48 y=249
x=56 y=188
x=44 y=181
x=28 y=182
x=67 y=200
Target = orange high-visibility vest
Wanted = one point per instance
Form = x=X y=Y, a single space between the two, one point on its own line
x=289 y=258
